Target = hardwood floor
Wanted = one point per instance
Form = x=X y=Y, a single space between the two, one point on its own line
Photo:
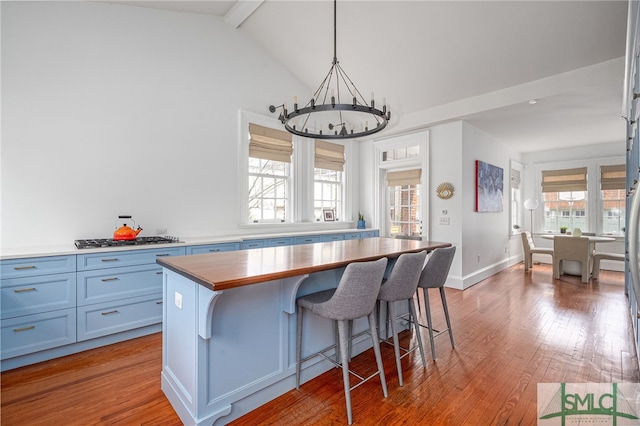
x=512 y=331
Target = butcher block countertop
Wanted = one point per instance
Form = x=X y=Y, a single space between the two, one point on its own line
x=226 y=270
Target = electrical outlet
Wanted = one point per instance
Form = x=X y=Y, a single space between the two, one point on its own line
x=178 y=300
x=444 y=221
x=161 y=231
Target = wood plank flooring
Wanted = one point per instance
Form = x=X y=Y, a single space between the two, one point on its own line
x=512 y=331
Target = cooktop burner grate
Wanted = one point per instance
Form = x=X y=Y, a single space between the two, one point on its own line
x=110 y=242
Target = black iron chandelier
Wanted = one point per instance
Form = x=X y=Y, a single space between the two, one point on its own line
x=341 y=120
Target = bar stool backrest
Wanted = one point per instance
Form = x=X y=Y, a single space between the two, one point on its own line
x=436 y=270
x=357 y=291
x=403 y=280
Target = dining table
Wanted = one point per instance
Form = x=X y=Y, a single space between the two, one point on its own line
x=572 y=267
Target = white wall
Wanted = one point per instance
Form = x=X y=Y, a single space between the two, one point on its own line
x=111 y=109
x=454 y=148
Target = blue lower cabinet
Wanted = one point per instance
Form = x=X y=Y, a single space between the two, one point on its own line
x=32 y=333
x=34 y=295
x=213 y=248
x=307 y=239
x=113 y=317
x=276 y=242
x=333 y=237
x=251 y=244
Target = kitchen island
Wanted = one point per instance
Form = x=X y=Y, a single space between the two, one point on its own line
x=229 y=322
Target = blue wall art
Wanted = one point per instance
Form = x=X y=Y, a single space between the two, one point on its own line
x=489 y=187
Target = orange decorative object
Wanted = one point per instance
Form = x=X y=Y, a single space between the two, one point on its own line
x=125 y=232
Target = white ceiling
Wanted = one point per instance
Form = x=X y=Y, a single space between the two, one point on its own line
x=438 y=61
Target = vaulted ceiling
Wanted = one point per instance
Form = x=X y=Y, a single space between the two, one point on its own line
x=439 y=61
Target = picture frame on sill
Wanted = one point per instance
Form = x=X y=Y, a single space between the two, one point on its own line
x=328 y=215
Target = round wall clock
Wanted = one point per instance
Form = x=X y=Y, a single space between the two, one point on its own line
x=445 y=190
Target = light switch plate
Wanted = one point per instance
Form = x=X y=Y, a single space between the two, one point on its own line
x=444 y=221
x=178 y=300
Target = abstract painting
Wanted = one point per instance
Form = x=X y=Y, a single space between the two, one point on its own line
x=489 y=187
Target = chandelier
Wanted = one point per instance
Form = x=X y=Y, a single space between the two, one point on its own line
x=341 y=120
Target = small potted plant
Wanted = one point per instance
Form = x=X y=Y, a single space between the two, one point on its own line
x=563 y=229
x=361 y=222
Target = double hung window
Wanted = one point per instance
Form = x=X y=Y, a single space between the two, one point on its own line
x=328 y=179
x=565 y=198
x=270 y=153
x=613 y=192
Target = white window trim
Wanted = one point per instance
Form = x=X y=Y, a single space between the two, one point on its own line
x=516 y=165
x=594 y=207
x=381 y=167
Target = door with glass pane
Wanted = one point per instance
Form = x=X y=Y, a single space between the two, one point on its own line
x=404 y=204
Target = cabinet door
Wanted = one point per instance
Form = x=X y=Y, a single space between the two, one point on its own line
x=251 y=244
x=308 y=239
x=114 y=259
x=32 y=333
x=212 y=248
x=333 y=237
x=276 y=242
x=29 y=267
x=32 y=295
x=105 y=285
x=114 y=317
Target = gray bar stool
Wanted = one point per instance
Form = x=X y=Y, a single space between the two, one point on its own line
x=434 y=275
x=355 y=297
x=402 y=285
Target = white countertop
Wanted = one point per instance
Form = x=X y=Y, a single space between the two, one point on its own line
x=70 y=249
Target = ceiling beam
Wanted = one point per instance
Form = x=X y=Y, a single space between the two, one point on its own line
x=240 y=11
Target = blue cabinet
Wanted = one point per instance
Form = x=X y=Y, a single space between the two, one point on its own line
x=120 y=291
x=275 y=242
x=310 y=239
x=38 y=304
x=212 y=248
x=333 y=237
x=252 y=244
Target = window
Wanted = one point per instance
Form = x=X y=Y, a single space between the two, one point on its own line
x=565 y=199
x=269 y=174
x=613 y=193
x=404 y=203
x=327 y=178
x=516 y=219
x=401 y=153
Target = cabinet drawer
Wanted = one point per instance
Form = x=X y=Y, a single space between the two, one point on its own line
x=87 y=262
x=368 y=234
x=38 y=332
x=251 y=244
x=352 y=236
x=118 y=283
x=32 y=295
x=276 y=242
x=17 y=268
x=213 y=248
x=114 y=317
x=307 y=240
x=333 y=237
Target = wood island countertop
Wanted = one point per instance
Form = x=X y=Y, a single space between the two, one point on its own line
x=226 y=270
